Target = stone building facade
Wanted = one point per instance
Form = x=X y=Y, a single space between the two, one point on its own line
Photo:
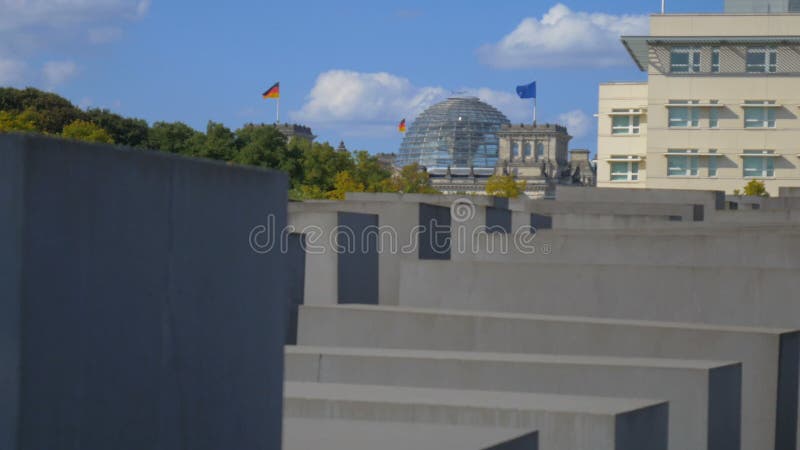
x=535 y=153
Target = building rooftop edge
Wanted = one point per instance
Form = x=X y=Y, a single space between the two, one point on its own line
x=624 y=82
x=778 y=14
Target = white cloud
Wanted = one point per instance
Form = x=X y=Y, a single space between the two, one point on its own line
x=19 y=14
x=516 y=109
x=578 y=123
x=30 y=29
x=142 y=8
x=57 y=72
x=346 y=96
x=563 y=37
x=104 y=35
x=11 y=71
x=368 y=104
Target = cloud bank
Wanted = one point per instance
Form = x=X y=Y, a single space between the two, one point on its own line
x=371 y=104
x=564 y=38
x=11 y=71
x=577 y=122
x=57 y=72
x=20 y=14
x=32 y=28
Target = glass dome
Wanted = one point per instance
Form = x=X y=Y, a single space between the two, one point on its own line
x=458 y=133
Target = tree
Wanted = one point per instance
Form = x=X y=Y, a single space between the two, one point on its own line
x=219 y=143
x=265 y=146
x=321 y=163
x=86 y=131
x=124 y=130
x=369 y=172
x=344 y=183
x=24 y=121
x=306 y=192
x=53 y=111
x=756 y=188
x=411 y=180
x=174 y=137
x=505 y=186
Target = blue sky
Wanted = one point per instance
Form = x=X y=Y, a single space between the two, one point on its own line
x=349 y=69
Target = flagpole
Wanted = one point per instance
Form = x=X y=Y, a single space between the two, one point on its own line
x=278 y=110
x=534 y=111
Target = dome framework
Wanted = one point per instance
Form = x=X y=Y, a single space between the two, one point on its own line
x=459 y=134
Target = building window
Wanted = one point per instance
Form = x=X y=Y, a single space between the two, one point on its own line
x=539 y=150
x=762 y=59
x=685 y=60
x=683 y=116
x=625 y=124
x=759 y=116
x=713 y=115
x=715 y=59
x=712 y=163
x=759 y=165
x=527 y=149
x=682 y=163
x=624 y=170
x=515 y=149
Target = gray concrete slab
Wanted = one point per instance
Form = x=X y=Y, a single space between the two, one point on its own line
x=759 y=349
x=711 y=200
x=138 y=315
x=757 y=217
x=668 y=293
x=686 y=384
x=320 y=219
x=12 y=205
x=744 y=246
x=330 y=434
x=574 y=422
x=684 y=210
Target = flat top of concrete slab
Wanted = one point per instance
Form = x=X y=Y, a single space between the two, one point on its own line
x=511 y=357
x=556 y=318
x=697 y=229
x=466 y=398
x=330 y=434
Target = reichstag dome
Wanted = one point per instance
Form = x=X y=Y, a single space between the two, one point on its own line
x=459 y=133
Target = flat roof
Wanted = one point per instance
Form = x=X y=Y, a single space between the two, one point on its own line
x=725 y=14
x=624 y=83
x=639 y=46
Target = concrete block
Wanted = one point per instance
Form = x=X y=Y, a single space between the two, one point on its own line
x=574 y=422
x=135 y=313
x=744 y=246
x=712 y=200
x=327 y=434
x=435 y=236
x=789 y=191
x=541 y=222
x=691 y=387
x=358 y=263
x=758 y=349
x=296 y=260
x=663 y=293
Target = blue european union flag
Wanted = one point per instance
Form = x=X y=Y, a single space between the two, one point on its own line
x=527 y=90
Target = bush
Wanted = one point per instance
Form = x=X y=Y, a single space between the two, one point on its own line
x=756 y=188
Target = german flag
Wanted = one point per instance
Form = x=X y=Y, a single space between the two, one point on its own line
x=402 y=127
x=273 y=92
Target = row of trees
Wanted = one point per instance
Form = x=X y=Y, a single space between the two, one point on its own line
x=316 y=170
